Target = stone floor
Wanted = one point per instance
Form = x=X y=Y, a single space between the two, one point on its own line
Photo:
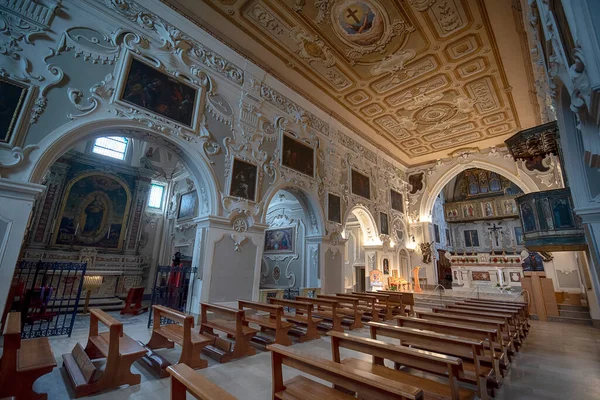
x=557 y=361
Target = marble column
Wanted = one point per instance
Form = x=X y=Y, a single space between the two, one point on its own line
x=17 y=200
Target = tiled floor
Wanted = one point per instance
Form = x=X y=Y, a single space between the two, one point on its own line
x=557 y=361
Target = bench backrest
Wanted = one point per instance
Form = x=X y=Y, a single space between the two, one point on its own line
x=503 y=312
x=456 y=346
x=303 y=306
x=275 y=311
x=320 y=302
x=520 y=303
x=115 y=328
x=186 y=320
x=472 y=313
x=341 y=300
x=414 y=358
x=234 y=314
x=362 y=299
x=200 y=387
x=465 y=320
x=366 y=385
x=12 y=342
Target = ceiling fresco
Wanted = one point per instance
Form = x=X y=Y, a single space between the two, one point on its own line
x=425 y=75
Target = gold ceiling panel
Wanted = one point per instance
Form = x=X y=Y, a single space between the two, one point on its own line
x=424 y=74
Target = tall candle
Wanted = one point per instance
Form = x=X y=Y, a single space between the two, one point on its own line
x=108 y=233
x=76 y=229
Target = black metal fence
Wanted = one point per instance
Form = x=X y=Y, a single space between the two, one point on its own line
x=47 y=295
x=171 y=288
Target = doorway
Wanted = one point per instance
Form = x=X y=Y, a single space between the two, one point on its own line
x=360 y=279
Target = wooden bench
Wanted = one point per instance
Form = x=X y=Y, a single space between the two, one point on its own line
x=235 y=327
x=469 y=350
x=366 y=386
x=513 y=323
x=302 y=317
x=349 y=307
x=184 y=379
x=165 y=336
x=408 y=300
x=412 y=358
x=273 y=320
x=519 y=311
x=506 y=341
x=487 y=335
x=23 y=361
x=119 y=350
x=368 y=305
x=326 y=309
x=385 y=312
x=394 y=302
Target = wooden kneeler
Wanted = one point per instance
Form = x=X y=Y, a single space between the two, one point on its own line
x=133 y=303
x=119 y=350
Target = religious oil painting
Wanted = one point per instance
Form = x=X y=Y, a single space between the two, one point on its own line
x=334 y=208
x=12 y=101
x=386 y=266
x=396 y=200
x=158 y=93
x=280 y=240
x=361 y=185
x=298 y=156
x=243 y=180
x=436 y=232
x=528 y=218
x=488 y=209
x=383 y=219
x=187 y=205
x=93 y=213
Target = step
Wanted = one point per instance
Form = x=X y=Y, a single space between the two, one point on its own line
x=574 y=314
x=578 y=321
x=570 y=307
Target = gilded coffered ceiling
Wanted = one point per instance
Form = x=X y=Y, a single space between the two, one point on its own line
x=420 y=78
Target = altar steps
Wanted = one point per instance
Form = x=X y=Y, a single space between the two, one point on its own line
x=570 y=314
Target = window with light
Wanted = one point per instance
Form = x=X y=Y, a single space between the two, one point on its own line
x=111 y=146
x=156 y=196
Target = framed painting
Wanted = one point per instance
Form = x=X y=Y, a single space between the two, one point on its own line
x=488 y=209
x=386 y=266
x=383 y=219
x=156 y=92
x=298 y=156
x=361 y=185
x=436 y=231
x=244 y=180
x=187 y=205
x=13 y=100
x=334 y=208
x=396 y=201
x=280 y=240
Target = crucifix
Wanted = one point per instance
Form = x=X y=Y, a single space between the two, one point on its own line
x=494 y=234
x=352 y=14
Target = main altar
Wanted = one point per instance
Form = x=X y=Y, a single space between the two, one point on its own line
x=486 y=270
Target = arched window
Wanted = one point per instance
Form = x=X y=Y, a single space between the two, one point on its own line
x=111 y=146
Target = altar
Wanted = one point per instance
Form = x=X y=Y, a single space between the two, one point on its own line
x=485 y=270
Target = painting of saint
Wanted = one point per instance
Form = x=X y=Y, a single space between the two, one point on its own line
x=279 y=240
x=298 y=156
x=562 y=213
x=519 y=235
x=357 y=18
x=158 y=93
x=94 y=213
x=243 y=181
x=12 y=100
x=527 y=218
x=361 y=185
x=416 y=182
x=488 y=209
x=334 y=208
x=386 y=266
x=396 y=200
x=383 y=219
x=187 y=205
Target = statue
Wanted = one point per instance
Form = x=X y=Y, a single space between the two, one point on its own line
x=426 y=250
x=94 y=212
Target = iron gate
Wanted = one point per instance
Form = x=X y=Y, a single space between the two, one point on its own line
x=47 y=295
x=171 y=288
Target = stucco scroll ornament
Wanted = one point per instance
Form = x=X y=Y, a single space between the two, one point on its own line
x=237 y=241
x=14 y=157
x=90 y=44
x=421 y=5
x=582 y=91
x=100 y=93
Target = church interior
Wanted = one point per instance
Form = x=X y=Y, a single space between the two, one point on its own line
x=312 y=199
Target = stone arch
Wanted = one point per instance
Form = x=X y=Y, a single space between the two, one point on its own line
x=367 y=224
x=310 y=205
x=67 y=136
x=525 y=183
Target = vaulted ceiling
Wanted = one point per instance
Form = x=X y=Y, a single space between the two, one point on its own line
x=419 y=78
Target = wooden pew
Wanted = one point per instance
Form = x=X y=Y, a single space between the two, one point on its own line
x=133 y=302
x=119 y=350
x=385 y=312
x=408 y=299
x=507 y=344
x=521 y=310
x=23 y=361
x=413 y=358
x=368 y=305
x=349 y=307
x=326 y=309
x=302 y=317
x=488 y=336
x=165 y=336
x=184 y=379
x=394 y=301
x=469 y=350
x=390 y=309
x=366 y=386
x=235 y=327
x=274 y=320
x=511 y=317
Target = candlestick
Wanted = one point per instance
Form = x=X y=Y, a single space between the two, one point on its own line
x=108 y=233
x=76 y=229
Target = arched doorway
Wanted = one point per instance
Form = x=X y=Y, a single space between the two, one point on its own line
x=360 y=230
